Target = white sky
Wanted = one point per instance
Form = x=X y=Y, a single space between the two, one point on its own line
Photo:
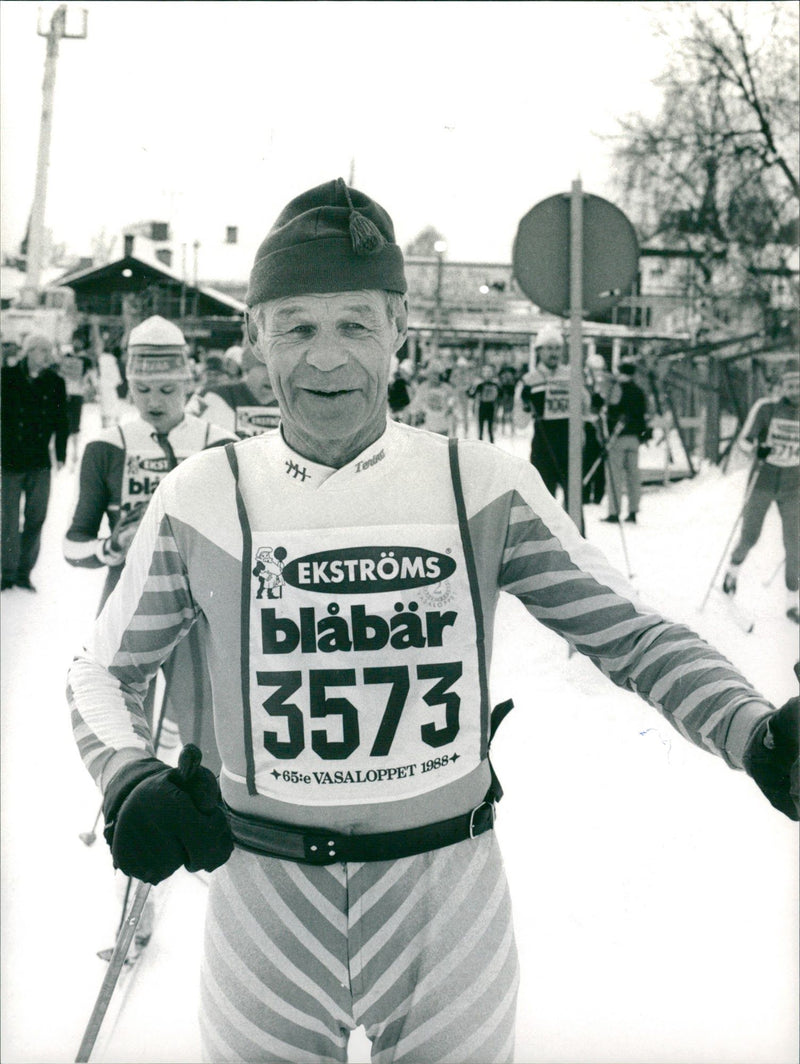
x=460 y=115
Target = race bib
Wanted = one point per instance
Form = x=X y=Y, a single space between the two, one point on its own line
x=142 y=475
x=363 y=666
x=783 y=437
x=556 y=399
x=252 y=420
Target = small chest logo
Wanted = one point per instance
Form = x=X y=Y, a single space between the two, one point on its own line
x=137 y=465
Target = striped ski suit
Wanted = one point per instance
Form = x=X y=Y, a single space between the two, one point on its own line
x=120 y=469
x=349 y=655
x=773 y=422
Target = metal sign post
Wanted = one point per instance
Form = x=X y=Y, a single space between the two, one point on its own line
x=575 y=476
x=577 y=254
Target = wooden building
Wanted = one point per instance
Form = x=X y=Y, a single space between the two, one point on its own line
x=119 y=294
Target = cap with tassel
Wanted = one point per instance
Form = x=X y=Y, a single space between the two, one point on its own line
x=331 y=238
x=364 y=234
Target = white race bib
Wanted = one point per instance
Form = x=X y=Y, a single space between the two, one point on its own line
x=363 y=667
x=556 y=399
x=144 y=469
x=784 y=439
x=252 y=420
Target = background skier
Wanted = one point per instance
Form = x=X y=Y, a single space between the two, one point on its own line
x=771 y=434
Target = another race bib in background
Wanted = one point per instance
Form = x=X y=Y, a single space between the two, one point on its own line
x=783 y=437
x=556 y=399
x=252 y=420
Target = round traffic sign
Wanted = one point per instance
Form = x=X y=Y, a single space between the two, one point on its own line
x=541 y=255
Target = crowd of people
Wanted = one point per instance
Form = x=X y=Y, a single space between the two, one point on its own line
x=457 y=393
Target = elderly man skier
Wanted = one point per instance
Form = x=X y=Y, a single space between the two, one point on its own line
x=359 y=879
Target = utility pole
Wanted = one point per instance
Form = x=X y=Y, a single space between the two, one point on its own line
x=440 y=247
x=54 y=33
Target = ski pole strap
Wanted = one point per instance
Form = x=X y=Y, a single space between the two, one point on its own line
x=474 y=588
x=499 y=714
x=319 y=847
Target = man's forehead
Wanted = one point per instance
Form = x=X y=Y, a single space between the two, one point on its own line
x=157 y=378
x=367 y=301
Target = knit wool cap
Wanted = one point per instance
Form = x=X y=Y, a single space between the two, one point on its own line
x=329 y=239
x=157 y=348
x=549 y=335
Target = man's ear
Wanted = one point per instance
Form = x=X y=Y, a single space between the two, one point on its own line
x=401 y=324
x=250 y=328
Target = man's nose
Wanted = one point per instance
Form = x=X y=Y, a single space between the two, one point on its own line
x=327 y=353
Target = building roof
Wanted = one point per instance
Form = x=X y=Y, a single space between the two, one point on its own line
x=133 y=274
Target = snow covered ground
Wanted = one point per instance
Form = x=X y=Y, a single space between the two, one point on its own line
x=655 y=891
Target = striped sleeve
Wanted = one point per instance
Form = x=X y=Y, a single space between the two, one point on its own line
x=149 y=612
x=756 y=424
x=568 y=585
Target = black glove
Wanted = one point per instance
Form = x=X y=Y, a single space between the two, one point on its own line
x=116 y=546
x=763 y=451
x=159 y=818
x=772 y=758
x=596 y=402
x=646 y=434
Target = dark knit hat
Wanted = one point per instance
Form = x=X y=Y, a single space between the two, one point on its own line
x=329 y=239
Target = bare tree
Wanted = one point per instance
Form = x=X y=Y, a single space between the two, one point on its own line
x=102 y=244
x=424 y=242
x=718 y=169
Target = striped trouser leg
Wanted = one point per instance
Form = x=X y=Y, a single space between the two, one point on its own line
x=275 y=986
x=433 y=963
x=420 y=950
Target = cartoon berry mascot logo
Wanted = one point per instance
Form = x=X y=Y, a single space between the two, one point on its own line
x=269 y=572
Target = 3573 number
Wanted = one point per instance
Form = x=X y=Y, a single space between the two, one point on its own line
x=321 y=704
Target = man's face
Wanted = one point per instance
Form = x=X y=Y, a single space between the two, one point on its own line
x=160 y=400
x=328 y=358
x=40 y=355
x=257 y=380
x=550 y=355
x=790 y=386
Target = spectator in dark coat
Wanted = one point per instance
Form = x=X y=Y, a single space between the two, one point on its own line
x=627 y=429
x=34 y=406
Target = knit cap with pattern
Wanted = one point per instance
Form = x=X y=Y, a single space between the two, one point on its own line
x=157 y=348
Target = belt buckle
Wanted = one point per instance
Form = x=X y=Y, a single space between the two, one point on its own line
x=472 y=834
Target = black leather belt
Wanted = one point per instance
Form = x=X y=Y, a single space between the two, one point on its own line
x=313 y=846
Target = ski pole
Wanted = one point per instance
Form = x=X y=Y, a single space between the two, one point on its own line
x=603 y=452
x=187 y=765
x=156 y=742
x=778 y=567
x=112 y=975
x=724 y=555
x=88 y=837
x=617 y=503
